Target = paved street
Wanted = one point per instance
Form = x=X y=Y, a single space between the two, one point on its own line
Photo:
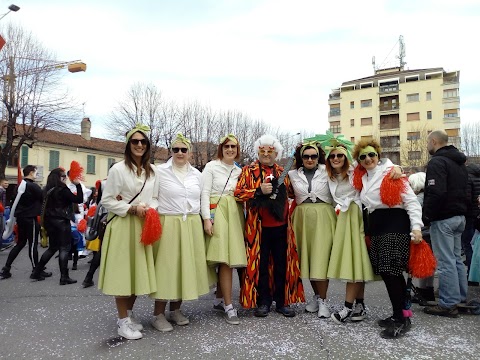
x=43 y=320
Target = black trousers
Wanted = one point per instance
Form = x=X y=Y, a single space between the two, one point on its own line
x=273 y=243
x=28 y=230
x=59 y=239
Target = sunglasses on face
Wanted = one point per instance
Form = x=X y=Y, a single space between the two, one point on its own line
x=138 y=141
x=370 y=155
x=313 y=157
x=63 y=176
x=266 y=150
x=229 y=146
x=176 y=150
x=338 y=156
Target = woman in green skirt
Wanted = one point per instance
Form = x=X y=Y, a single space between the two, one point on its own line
x=223 y=222
x=126 y=268
x=313 y=221
x=180 y=264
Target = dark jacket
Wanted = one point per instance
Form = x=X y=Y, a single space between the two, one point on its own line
x=30 y=204
x=445 y=185
x=60 y=203
x=473 y=191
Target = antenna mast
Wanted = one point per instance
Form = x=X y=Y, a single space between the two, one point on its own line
x=401 y=52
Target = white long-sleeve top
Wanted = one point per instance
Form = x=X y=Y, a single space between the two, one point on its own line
x=126 y=183
x=343 y=192
x=319 y=188
x=214 y=177
x=370 y=195
x=176 y=197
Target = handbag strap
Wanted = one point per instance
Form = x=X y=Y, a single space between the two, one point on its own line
x=44 y=206
x=130 y=200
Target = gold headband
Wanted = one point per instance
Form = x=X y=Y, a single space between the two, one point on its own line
x=144 y=129
x=230 y=137
x=313 y=144
x=182 y=139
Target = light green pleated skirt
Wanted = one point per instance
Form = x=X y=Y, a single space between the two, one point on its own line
x=181 y=267
x=314 y=226
x=127 y=266
x=349 y=259
x=227 y=245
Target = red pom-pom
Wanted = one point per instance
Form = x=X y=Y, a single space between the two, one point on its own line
x=358 y=173
x=82 y=225
x=152 y=228
x=15 y=229
x=391 y=190
x=98 y=184
x=422 y=262
x=76 y=171
x=2 y=209
x=91 y=211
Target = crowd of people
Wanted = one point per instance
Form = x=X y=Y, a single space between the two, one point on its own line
x=342 y=211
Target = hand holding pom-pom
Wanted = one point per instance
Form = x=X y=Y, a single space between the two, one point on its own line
x=76 y=172
x=422 y=262
x=82 y=225
x=152 y=228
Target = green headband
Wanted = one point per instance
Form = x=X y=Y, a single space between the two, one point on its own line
x=182 y=139
x=230 y=137
x=368 y=149
x=329 y=142
x=312 y=144
x=144 y=129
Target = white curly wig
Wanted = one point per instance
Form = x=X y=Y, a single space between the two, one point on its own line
x=269 y=140
x=417 y=181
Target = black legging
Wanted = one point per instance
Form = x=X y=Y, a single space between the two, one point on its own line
x=397 y=290
x=59 y=238
x=94 y=264
x=28 y=229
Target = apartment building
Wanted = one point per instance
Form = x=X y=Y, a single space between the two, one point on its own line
x=398 y=108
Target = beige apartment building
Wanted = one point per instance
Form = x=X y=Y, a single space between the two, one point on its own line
x=398 y=108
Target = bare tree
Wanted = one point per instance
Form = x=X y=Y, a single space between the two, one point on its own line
x=33 y=98
x=470 y=133
x=414 y=153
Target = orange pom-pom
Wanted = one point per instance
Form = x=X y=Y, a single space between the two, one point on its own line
x=391 y=190
x=91 y=211
x=358 y=173
x=422 y=262
x=2 y=209
x=82 y=225
x=152 y=228
x=76 y=171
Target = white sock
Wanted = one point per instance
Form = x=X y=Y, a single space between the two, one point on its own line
x=228 y=307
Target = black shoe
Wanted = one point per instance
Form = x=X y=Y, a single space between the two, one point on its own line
x=74 y=267
x=66 y=280
x=87 y=283
x=35 y=276
x=473 y=283
x=385 y=323
x=286 y=311
x=262 y=311
x=397 y=329
x=441 y=311
x=45 y=274
x=5 y=274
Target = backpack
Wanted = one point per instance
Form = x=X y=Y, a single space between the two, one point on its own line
x=97 y=224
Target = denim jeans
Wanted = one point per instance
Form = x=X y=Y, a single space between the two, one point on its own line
x=446 y=237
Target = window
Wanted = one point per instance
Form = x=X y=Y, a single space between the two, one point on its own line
x=335 y=127
x=334 y=110
x=24 y=161
x=54 y=159
x=352 y=122
x=366 y=103
x=414 y=155
x=352 y=104
x=390 y=141
x=415 y=135
x=366 y=121
x=413 y=116
x=449 y=113
x=450 y=93
x=110 y=162
x=367 y=138
x=352 y=139
x=429 y=115
x=412 y=97
x=90 y=164
x=429 y=96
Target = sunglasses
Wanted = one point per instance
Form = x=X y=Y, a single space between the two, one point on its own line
x=267 y=150
x=176 y=150
x=138 y=141
x=63 y=176
x=229 y=146
x=370 y=155
x=338 y=156
x=313 y=157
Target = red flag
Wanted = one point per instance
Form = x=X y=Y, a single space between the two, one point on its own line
x=2 y=42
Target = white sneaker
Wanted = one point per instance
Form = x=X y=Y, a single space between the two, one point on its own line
x=137 y=325
x=126 y=330
x=359 y=313
x=323 y=311
x=178 y=318
x=161 y=324
x=312 y=305
x=342 y=315
x=231 y=317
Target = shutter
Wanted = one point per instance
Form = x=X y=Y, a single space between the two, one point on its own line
x=24 y=161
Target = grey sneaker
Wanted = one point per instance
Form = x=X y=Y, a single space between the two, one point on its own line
x=231 y=317
x=219 y=307
x=312 y=305
x=161 y=324
x=178 y=318
x=359 y=313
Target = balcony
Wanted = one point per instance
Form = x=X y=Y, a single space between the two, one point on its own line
x=334 y=112
x=388 y=89
x=390 y=125
x=452 y=80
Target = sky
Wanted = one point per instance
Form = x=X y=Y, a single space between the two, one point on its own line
x=274 y=60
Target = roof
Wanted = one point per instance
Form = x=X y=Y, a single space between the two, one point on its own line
x=392 y=73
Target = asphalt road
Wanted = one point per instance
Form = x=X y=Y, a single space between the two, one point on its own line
x=43 y=320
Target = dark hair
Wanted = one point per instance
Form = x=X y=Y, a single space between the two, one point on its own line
x=220 y=149
x=298 y=155
x=145 y=157
x=55 y=179
x=343 y=170
x=28 y=169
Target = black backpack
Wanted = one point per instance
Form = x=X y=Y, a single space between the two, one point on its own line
x=97 y=224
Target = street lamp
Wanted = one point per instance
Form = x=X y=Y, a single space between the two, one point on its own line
x=11 y=8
